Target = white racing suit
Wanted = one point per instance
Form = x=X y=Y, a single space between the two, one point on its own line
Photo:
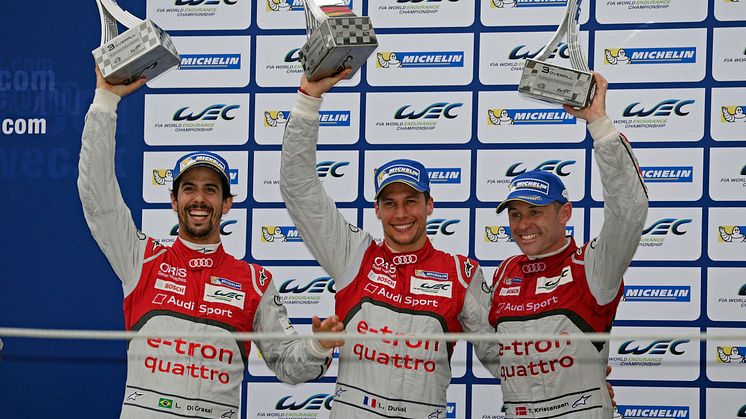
x=180 y=289
x=571 y=291
x=379 y=292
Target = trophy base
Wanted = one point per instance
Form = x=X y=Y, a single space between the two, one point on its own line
x=142 y=51
x=555 y=84
x=339 y=42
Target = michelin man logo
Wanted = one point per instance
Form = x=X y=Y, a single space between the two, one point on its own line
x=504 y=3
x=503 y=119
x=278 y=5
x=730 y=355
x=734 y=236
x=273 y=119
x=619 y=58
x=736 y=115
x=274 y=236
x=388 y=60
x=161 y=176
x=496 y=237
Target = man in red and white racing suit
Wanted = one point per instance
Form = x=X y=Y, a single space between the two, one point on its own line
x=193 y=287
x=400 y=285
x=556 y=288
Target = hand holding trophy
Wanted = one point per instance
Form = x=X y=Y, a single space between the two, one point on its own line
x=144 y=50
x=556 y=84
x=337 y=39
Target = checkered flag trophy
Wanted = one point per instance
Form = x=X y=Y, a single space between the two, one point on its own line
x=337 y=39
x=144 y=50
x=556 y=84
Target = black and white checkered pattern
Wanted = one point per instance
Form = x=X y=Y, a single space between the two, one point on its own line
x=352 y=30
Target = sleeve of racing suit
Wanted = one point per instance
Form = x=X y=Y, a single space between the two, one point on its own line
x=474 y=318
x=294 y=361
x=625 y=211
x=105 y=212
x=337 y=245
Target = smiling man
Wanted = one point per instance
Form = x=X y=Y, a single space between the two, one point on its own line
x=192 y=287
x=556 y=287
x=398 y=285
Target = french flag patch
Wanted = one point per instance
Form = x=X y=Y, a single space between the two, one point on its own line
x=369 y=401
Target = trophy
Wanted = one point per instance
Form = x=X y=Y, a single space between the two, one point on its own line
x=144 y=50
x=337 y=39
x=557 y=84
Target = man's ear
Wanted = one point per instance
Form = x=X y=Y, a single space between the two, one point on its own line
x=227 y=204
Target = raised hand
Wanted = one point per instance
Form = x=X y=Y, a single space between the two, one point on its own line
x=120 y=90
x=597 y=108
x=319 y=87
x=328 y=325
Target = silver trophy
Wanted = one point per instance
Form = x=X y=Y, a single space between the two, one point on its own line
x=144 y=50
x=557 y=84
x=337 y=39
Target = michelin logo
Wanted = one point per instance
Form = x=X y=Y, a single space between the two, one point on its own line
x=210 y=62
x=529 y=117
x=656 y=293
x=276 y=234
x=667 y=174
x=422 y=59
x=444 y=175
x=674 y=55
x=732 y=114
x=274 y=119
x=653 y=411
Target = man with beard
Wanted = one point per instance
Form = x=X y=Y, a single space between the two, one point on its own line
x=193 y=287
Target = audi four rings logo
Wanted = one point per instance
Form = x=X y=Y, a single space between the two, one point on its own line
x=200 y=263
x=404 y=259
x=533 y=267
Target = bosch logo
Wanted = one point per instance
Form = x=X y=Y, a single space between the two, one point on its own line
x=380 y=264
x=404 y=259
x=172 y=270
x=664 y=108
x=519 y=54
x=558 y=167
x=530 y=268
x=433 y=111
x=200 y=263
x=210 y=113
x=331 y=168
x=315 y=402
x=657 y=347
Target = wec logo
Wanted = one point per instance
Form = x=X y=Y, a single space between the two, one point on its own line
x=440 y=225
x=292 y=56
x=317 y=286
x=330 y=168
x=657 y=347
x=433 y=111
x=210 y=113
x=520 y=52
x=315 y=402
x=663 y=108
x=553 y=166
x=662 y=227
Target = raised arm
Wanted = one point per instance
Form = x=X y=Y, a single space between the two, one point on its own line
x=625 y=201
x=336 y=245
x=107 y=216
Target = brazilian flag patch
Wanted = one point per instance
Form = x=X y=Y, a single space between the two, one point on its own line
x=165 y=403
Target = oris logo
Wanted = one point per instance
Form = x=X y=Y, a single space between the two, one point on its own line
x=663 y=108
x=380 y=264
x=330 y=168
x=200 y=263
x=315 y=402
x=519 y=54
x=172 y=270
x=558 y=167
x=433 y=111
x=404 y=259
x=530 y=268
x=210 y=113
x=662 y=227
x=658 y=347
x=317 y=286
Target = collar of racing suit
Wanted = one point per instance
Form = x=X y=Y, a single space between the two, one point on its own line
x=196 y=259
x=568 y=239
x=202 y=248
x=420 y=254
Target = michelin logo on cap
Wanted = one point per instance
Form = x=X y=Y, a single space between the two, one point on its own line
x=202 y=158
x=399 y=170
x=532 y=184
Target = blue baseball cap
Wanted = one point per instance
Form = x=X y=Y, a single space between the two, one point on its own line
x=536 y=187
x=408 y=172
x=204 y=159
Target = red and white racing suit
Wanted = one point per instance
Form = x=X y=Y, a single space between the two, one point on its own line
x=571 y=291
x=379 y=292
x=177 y=289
